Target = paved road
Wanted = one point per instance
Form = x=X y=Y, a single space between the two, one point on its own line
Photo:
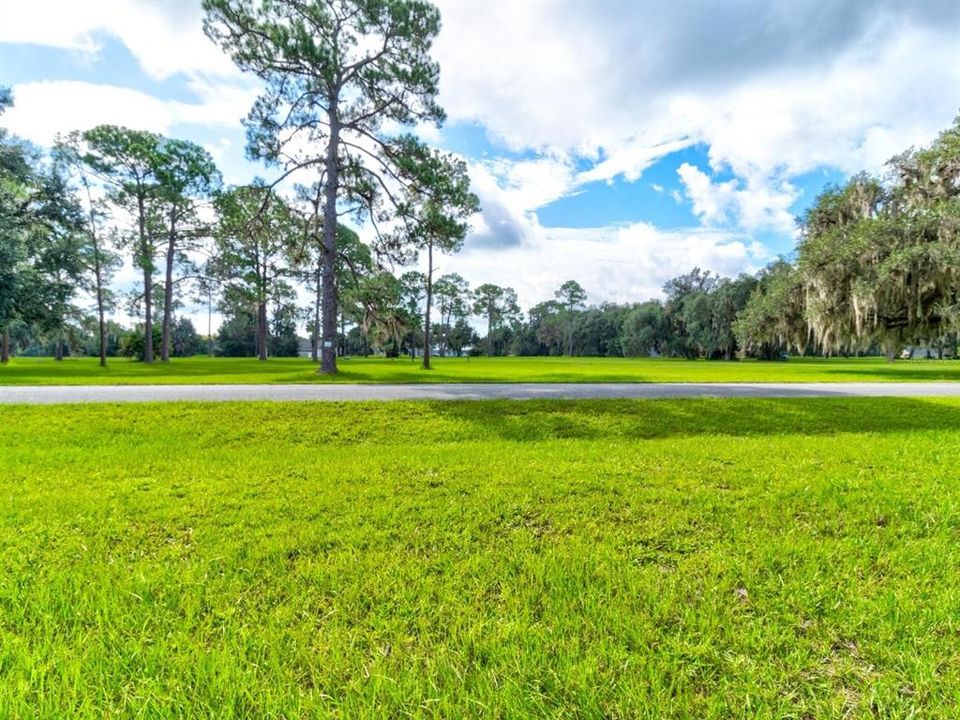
x=465 y=391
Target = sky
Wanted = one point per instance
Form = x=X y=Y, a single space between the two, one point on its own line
x=615 y=143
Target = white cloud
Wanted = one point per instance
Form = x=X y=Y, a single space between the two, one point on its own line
x=530 y=184
x=753 y=205
x=629 y=158
x=773 y=90
x=617 y=264
x=39 y=110
x=166 y=36
x=608 y=79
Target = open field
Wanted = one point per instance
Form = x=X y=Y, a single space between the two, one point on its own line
x=121 y=371
x=709 y=559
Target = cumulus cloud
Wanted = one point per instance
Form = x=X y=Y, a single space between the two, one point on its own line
x=43 y=109
x=605 y=78
x=166 y=37
x=773 y=89
x=753 y=205
x=628 y=263
x=510 y=191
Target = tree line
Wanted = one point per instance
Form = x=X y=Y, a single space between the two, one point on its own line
x=876 y=267
x=875 y=270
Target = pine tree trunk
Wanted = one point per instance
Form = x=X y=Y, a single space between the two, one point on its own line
x=490 y=335
x=445 y=328
x=147 y=285
x=101 y=319
x=168 y=296
x=328 y=353
x=426 y=315
x=98 y=279
x=58 y=351
x=5 y=347
x=210 y=323
x=147 y=316
x=315 y=340
x=262 y=331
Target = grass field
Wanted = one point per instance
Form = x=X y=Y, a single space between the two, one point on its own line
x=85 y=371
x=651 y=559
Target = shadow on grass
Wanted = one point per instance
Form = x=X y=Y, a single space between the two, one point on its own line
x=121 y=371
x=941 y=370
x=275 y=425
x=742 y=417
x=419 y=376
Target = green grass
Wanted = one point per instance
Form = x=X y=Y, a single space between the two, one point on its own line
x=85 y=371
x=594 y=559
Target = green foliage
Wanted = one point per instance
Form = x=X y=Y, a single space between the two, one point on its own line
x=772 y=322
x=133 y=343
x=384 y=302
x=433 y=212
x=56 y=240
x=461 y=336
x=41 y=243
x=571 y=295
x=876 y=268
x=879 y=263
x=90 y=341
x=436 y=203
x=452 y=294
x=127 y=162
x=708 y=317
x=257 y=234
x=685 y=304
x=284 y=341
x=646 y=330
x=185 y=171
x=668 y=559
x=184 y=340
x=237 y=336
x=498 y=305
x=597 y=331
x=17 y=181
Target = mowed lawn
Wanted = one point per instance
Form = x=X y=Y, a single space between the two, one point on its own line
x=593 y=559
x=122 y=371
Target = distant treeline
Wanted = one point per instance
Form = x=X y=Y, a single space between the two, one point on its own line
x=877 y=267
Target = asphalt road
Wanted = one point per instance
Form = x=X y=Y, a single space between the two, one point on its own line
x=53 y=394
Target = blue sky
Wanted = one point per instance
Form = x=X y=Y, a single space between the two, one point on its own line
x=618 y=144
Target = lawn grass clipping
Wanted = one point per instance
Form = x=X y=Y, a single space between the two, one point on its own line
x=628 y=559
x=204 y=370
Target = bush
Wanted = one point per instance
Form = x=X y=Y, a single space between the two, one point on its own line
x=132 y=343
x=184 y=340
